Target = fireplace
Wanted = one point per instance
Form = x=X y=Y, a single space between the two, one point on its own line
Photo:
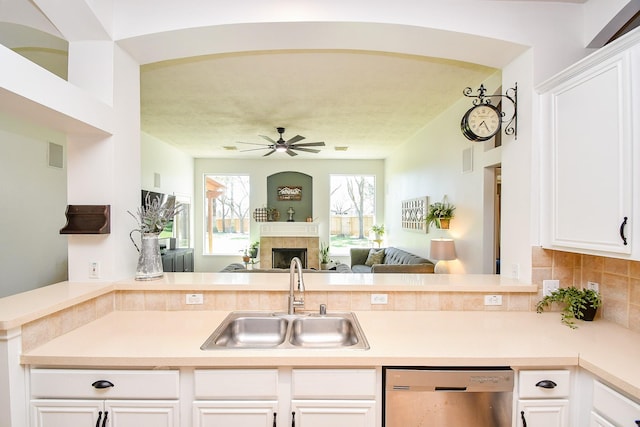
x=281 y=257
x=297 y=236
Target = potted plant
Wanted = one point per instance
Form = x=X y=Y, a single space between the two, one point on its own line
x=378 y=230
x=577 y=304
x=440 y=214
x=324 y=256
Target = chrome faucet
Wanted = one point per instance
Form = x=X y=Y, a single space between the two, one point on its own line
x=293 y=302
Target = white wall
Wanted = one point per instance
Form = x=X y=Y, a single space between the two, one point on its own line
x=430 y=164
x=259 y=170
x=34 y=199
x=174 y=167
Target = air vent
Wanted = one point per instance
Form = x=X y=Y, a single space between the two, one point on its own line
x=229 y=147
x=341 y=148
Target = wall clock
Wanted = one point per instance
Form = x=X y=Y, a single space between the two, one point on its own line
x=481 y=122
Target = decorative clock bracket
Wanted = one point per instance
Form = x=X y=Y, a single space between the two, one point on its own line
x=511 y=94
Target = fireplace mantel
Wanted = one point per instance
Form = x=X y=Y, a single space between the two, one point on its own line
x=289 y=229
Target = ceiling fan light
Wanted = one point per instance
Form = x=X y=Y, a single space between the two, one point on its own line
x=281 y=148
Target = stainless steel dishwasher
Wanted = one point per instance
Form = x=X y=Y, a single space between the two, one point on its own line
x=447 y=397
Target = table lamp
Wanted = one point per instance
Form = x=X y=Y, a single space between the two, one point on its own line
x=442 y=250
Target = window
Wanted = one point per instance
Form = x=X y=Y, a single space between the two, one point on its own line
x=226 y=214
x=352 y=203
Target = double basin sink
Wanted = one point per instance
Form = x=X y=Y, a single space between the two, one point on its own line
x=268 y=330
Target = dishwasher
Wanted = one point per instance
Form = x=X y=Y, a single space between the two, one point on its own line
x=447 y=397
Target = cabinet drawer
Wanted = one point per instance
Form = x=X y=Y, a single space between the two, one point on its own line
x=333 y=383
x=77 y=384
x=615 y=407
x=531 y=384
x=236 y=383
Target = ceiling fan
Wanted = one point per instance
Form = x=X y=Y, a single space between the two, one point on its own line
x=282 y=146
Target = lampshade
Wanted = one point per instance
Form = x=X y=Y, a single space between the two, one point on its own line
x=442 y=250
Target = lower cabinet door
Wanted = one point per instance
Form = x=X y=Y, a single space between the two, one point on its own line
x=142 y=413
x=65 y=413
x=240 y=413
x=597 y=421
x=333 y=413
x=543 y=413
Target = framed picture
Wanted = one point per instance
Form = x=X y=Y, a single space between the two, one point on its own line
x=289 y=192
x=413 y=213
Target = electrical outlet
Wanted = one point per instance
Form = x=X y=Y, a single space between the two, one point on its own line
x=493 y=300
x=194 y=299
x=593 y=286
x=515 y=271
x=549 y=286
x=379 y=299
x=94 y=269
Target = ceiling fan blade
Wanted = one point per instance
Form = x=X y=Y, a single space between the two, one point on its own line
x=310 y=144
x=309 y=150
x=291 y=153
x=295 y=139
x=267 y=138
x=251 y=143
x=255 y=149
x=270 y=152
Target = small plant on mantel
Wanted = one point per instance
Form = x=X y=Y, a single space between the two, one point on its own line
x=577 y=304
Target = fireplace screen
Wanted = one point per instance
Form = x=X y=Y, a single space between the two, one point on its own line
x=281 y=257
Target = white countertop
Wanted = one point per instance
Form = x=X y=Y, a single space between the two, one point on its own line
x=419 y=338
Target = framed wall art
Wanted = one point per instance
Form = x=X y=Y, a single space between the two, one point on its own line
x=413 y=213
x=289 y=192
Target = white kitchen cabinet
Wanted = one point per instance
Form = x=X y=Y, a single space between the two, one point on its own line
x=611 y=408
x=236 y=397
x=588 y=135
x=589 y=130
x=114 y=398
x=334 y=413
x=278 y=397
x=543 y=398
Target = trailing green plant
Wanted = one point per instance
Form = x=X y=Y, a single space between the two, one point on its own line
x=378 y=229
x=438 y=211
x=253 y=249
x=324 y=253
x=574 y=301
x=154 y=216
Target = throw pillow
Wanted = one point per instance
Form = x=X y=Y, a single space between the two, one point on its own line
x=374 y=257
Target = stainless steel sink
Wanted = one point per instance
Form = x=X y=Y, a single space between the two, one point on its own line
x=323 y=331
x=255 y=330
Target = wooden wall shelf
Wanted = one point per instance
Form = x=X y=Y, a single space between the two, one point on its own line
x=87 y=219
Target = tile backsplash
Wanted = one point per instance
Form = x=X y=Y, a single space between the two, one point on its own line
x=619 y=281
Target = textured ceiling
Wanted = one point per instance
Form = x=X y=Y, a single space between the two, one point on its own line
x=370 y=102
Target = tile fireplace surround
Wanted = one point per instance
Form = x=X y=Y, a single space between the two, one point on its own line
x=289 y=235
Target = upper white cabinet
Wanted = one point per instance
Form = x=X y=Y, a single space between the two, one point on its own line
x=589 y=132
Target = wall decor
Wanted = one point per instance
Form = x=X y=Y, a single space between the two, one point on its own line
x=289 y=192
x=413 y=212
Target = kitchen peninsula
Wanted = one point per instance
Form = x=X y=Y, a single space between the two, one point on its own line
x=430 y=320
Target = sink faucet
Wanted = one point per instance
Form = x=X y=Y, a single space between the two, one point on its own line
x=293 y=302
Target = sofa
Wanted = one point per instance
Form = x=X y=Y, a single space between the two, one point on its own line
x=392 y=260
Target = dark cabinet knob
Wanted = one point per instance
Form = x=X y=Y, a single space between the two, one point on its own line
x=102 y=384
x=546 y=384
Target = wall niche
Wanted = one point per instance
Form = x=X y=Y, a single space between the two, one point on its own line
x=291 y=190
